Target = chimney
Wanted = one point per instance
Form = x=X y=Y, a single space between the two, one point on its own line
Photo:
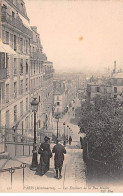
x=114 y=66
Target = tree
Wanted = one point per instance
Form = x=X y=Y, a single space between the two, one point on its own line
x=103 y=124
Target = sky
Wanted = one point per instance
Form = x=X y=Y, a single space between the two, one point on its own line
x=79 y=35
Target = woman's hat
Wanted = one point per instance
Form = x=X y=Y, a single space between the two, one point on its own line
x=46 y=138
x=58 y=139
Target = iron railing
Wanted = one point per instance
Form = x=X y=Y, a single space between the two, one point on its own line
x=11 y=170
x=15 y=23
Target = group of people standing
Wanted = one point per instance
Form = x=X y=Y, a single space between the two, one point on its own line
x=45 y=155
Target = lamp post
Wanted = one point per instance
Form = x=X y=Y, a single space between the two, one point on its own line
x=34 y=164
x=67 y=133
x=57 y=127
x=46 y=121
x=64 y=135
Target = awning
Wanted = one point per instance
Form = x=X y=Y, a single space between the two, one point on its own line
x=6 y=48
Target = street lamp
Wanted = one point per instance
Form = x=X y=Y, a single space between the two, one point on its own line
x=57 y=120
x=46 y=121
x=64 y=135
x=34 y=105
x=67 y=133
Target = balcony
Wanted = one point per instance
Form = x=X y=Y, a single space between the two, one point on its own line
x=3 y=73
x=8 y=19
x=47 y=76
x=38 y=55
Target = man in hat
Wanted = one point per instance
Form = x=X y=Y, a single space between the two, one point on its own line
x=59 y=151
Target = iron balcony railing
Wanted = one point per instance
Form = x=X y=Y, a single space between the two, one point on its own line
x=38 y=55
x=6 y=18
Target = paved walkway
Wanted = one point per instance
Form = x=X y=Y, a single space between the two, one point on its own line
x=73 y=174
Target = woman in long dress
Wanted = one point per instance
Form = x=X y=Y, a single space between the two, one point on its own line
x=45 y=155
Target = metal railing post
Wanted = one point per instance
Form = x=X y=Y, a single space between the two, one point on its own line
x=11 y=171
x=23 y=166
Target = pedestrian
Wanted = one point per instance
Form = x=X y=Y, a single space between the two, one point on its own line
x=81 y=142
x=70 y=140
x=45 y=155
x=59 y=151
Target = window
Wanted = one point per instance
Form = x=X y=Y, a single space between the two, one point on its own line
x=26 y=66
x=26 y=84
x=21 y=87
x=39 y=98
x=7 y=37
x=2 y=94
x=11 y=40
x=115 y=82
x=34 y=67
x=15 y=89
x=115 y=89
x=2 y=60
x=27 y=122
x=7 y=119
x=21 y=66
x=13 y=18
x=115 y=96
x=26 y=46
x=21 y=108
x=15 y=43
x=57 y=98
x=58 y=103
x=15 y=113
x=27 y=104
x=98 y=89
x=7 y=93
x=13 y=14
x=31 y=67
x=32 y=120
x=15 y=66
x=21 y=45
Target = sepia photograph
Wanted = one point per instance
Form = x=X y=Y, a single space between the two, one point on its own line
x=61 y=96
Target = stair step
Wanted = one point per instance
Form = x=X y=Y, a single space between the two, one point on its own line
x=4 y=155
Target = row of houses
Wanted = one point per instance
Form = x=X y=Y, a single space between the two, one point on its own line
x=110 y=87
x=25 y=72
x=67 y=87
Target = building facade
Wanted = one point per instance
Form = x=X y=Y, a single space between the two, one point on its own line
x=15 y=61
x=117 y=85
x=24 y=73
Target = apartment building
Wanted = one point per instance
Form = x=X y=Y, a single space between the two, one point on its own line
x=14 y=65
x=98 y=87
x=24 y=73
x=117 y=85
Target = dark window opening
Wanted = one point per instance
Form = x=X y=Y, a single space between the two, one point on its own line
x=98 y=89
x=115 y=89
